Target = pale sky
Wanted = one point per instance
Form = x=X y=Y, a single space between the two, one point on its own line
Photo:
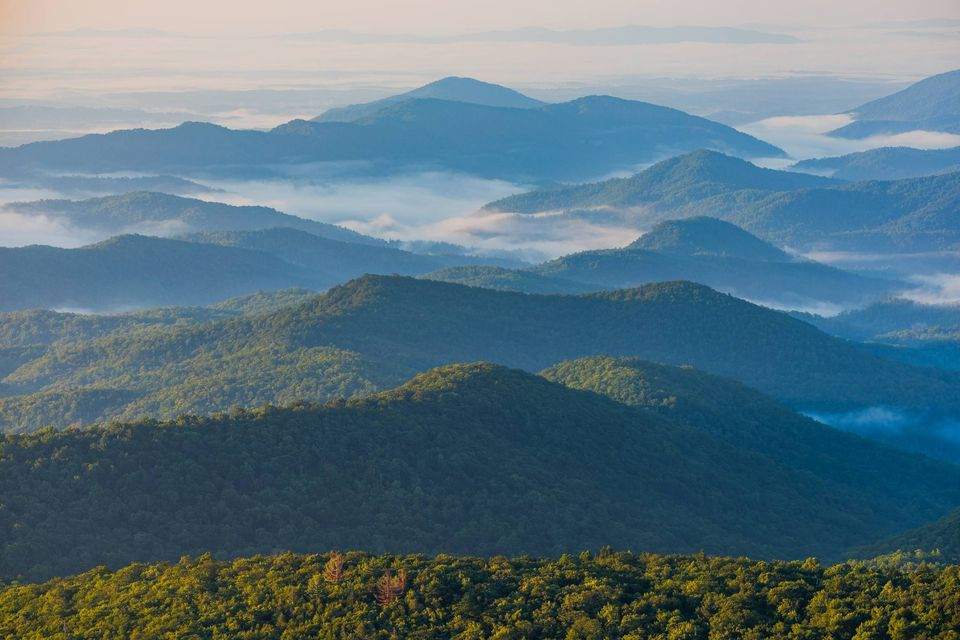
x=444 y=15
x=76 y=52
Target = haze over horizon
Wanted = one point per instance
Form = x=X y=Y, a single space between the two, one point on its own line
x=79 y=53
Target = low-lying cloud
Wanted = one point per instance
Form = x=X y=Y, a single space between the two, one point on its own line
x=18 y=230
x=805 y=137
x=919 y=429
x=939 y=288
x=414 y=198
x=535 y=237
x=437 y=206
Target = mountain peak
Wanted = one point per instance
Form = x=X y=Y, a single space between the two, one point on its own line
x=450 y=88
x=707 y=236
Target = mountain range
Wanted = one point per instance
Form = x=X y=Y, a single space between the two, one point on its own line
x=580 y=139
x=164 y=214
x=705 y=250
x=932 y=104
x=535 y=466
x=886 y=163
x=374 y=332
x=789 y=209
x=136 y=271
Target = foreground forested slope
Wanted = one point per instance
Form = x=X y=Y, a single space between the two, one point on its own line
x=475 y=459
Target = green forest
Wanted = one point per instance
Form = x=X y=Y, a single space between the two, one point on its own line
x=375 y=332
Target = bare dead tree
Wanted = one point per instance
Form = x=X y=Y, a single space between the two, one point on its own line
x=389 y=588
x=333 y=570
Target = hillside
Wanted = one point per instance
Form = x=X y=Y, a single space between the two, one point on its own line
x=574 y=140
x=743 y=418
x=940 y=538
x=617 y=596
x=887 y=317
x=163 y=214
x=132 y=271
x=137 y=271
x=933 y=104
x=452 y=88
x=373 y=332
x=704 y=250
x=923 y=334
x=722 y=256
x=400 y=470
x=887 y=163
x=328 y=260
x=42 y=327
x=707 y=236
x=915 y=214
x=694 y=176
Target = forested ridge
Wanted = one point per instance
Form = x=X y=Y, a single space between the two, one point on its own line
x=374 y=332
x=607 y=595
x=703 y=250
x=940 y=538
x=786 y=208
x=115 y=213
x=473 y=459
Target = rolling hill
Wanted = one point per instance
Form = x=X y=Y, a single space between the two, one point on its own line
x=938 y=541
x=137 y=271
x=674 y=182
x=887 y=163
x=933 y=104
x=453 y=89
x=705 y=250
x=534 y=466
x=328 y=260
x=163 y=214
x=374 y=332
x=580 y=139
x=788 y=209
x=43 y=327
x=739 y=416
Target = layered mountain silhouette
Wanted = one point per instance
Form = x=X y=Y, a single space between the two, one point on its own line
x=580 y=139
x=375 y=331
x=165 y=214
x=704 y=250
x=887 y=163
x=136 y=271
x=788 y=209
x=536 y=468
x=933 y=104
